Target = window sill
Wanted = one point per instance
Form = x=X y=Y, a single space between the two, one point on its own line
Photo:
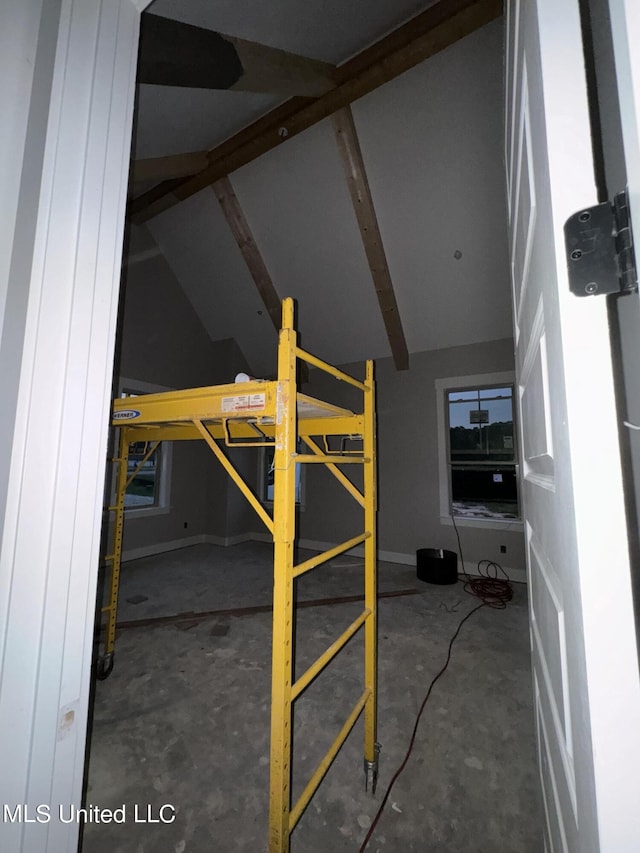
x=269 y=505
x=486 y=523
x=146 y=511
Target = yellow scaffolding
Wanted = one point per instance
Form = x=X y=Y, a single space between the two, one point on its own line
x=272 y=414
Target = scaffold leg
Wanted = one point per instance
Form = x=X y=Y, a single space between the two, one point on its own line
x=105 y=660
x=371 y=745
x=283 y=536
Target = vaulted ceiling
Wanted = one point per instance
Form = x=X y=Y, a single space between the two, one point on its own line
x=385 y=220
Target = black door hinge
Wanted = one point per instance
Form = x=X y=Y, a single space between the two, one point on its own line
x=599 y=246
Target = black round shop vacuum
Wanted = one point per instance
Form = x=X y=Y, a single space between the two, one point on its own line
x=435 y=565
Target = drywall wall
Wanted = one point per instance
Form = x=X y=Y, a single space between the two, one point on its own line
x=162 y=339
x=408 y=488
x=163 y=342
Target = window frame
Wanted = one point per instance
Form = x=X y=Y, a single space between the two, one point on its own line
x=162 y=506
x=454 y=383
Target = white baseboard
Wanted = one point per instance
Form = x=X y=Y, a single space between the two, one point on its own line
x=402 y=559
x=384 y=556
x=398 y=557
x=515 y=575
x=199 y=539
x=161 y=547
x=259 y=537
x=314 y=545
x=239 y=538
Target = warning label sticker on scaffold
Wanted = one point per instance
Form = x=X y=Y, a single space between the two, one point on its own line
x=243 y=402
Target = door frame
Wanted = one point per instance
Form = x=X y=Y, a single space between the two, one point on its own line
x=625 y=30
x=75 y=64
x=61 y=294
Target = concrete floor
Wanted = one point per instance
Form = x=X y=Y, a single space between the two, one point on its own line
x=184 y=718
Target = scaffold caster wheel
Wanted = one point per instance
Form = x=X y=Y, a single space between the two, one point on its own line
x=104 y=667
x=371 y=770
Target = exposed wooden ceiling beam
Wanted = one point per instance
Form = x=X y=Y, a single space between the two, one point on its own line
x=355 y=172
x=173 y=166
x=243 y=236
x=423 y=36
x=173 y=53
x=250 y=252
x=161 y=196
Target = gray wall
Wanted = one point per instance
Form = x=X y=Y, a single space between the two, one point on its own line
x=408 y=489
x=163 y=342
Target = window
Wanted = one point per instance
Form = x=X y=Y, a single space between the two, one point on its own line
x=148 y=492
x=478 y=449
x=268 y=477
x=144 y=489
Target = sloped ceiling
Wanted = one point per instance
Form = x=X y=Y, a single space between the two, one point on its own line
x=432 y=144
x=329 y=30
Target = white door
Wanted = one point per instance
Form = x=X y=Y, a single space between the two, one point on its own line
x=585 y=667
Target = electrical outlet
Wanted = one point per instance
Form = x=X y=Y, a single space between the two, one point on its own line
x=503 y=548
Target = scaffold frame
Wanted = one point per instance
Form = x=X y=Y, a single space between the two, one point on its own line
x=263 y=413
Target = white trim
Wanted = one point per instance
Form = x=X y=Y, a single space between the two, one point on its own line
x=238 y=539
x=514 y=575
x=398 y=557
x=188 y=541
x=70 y=282
x=502 y=524
x=257 y=537
x=134 y=512
x=163 y=505
x=506 y=377
x=143 y=255
x=162 y=547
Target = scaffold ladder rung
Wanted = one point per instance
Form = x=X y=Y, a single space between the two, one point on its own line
x=324 y=556
x=316 y=668
x=285 y=689
x=326 y=762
